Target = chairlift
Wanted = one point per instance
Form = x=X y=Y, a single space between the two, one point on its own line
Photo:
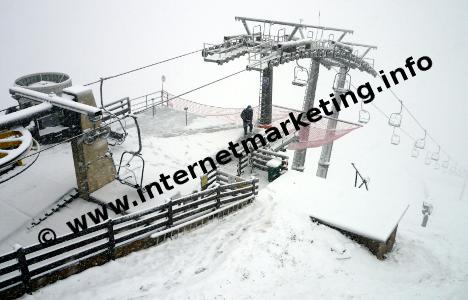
x=395 y=118
x=445 y=164
x=421 y=143
x=364 y=115
x=395 y=140
x=428 y=159
x=436 y=155
x=415 y=152
x=301 y=75
x=132 y=155
x=347 y=85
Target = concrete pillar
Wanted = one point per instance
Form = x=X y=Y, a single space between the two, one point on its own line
x=266 y=97
x=325 y=156
x=300 y=155
x=93 y=168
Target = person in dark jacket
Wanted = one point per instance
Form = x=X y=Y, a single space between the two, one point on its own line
x=247 y=116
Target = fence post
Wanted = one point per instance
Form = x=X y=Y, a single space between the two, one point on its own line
x=23 y=266
x=218 y=197
x=111 y=239
x=146 y=101
x=169 y=214
x=254 y=187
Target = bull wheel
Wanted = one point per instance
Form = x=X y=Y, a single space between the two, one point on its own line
x=14 y=143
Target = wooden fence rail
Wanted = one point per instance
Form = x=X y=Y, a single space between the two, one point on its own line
x=35 y=266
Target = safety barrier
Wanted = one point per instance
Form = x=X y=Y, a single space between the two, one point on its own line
x=36 y=266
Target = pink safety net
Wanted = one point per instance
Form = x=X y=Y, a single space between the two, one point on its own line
x=314 y=135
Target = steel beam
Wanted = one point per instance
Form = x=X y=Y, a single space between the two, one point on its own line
x=247 y=29
x=272 y=22
x=20 y=116
x=55 y=100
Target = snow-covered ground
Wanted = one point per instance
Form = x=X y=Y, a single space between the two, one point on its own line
x=271 y=249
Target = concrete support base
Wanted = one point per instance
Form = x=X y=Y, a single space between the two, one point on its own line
x=93 y=167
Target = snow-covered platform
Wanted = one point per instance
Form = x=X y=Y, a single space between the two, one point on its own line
x=369 y=217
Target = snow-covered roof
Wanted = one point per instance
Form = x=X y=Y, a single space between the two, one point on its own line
x=371 y=214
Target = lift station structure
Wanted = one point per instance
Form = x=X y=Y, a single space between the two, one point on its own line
x=269 y=43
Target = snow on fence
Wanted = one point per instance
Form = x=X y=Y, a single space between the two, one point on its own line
x=261 y=157
x=32 y=267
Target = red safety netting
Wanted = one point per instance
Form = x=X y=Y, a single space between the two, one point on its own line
x=315 y=135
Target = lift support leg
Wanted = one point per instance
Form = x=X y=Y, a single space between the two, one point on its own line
x=300 y=155
x=325 y=156
x=266 y=98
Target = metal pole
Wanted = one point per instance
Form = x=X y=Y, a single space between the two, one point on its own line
x=186 y=118
x=267 y=96
x=325 y=156
x=300 y=155
x=163 y=79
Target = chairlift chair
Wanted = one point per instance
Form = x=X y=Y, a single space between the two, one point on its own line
x=347 y=85
x=445 y=164
x=301 y=75
x=395 y=140
x=132 y=155
x=364 y=115
x=395 y=118
x=421 y=143
x=428 y=159
x=415 y=152
x=436 y=155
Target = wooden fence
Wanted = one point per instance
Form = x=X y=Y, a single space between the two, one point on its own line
x=259 y=158
x=33 y=267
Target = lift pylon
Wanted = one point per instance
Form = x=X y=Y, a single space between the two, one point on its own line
x=266 y=47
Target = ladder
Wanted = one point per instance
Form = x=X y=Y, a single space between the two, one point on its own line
x=260 y=102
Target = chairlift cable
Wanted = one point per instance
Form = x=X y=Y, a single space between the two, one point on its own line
x=143 y=67
x=413 y=117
